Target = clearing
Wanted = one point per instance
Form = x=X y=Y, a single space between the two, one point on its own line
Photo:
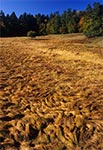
x=51 y=93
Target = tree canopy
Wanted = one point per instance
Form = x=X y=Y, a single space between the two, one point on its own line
x=90 y=22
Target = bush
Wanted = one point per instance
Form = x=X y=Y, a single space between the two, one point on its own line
x=31 y=34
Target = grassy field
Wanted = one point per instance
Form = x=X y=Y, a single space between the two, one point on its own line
x=51 y=93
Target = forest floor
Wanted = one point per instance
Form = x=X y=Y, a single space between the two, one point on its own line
x=51 y=93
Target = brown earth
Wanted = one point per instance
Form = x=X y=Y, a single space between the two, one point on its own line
x=51 y=93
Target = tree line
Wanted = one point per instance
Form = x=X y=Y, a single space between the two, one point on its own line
x=89 y=22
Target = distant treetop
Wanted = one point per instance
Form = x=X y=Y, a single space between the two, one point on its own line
x=90 y=22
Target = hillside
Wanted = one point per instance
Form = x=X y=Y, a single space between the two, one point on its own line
x=51 y=91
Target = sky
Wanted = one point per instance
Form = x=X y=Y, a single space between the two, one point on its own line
x=43 y=6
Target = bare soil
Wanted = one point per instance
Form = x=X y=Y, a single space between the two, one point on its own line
x=51 y=93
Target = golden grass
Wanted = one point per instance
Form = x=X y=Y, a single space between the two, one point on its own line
x=51 y=92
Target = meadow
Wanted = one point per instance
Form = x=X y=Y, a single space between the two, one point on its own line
x=51 y=93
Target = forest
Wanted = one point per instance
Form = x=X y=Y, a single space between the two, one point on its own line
x=89 y=22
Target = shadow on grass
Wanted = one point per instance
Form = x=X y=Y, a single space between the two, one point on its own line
x=40 y=39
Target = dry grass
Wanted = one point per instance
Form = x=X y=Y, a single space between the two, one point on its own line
x=51 y=93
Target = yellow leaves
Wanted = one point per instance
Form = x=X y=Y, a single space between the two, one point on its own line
x=81 y=21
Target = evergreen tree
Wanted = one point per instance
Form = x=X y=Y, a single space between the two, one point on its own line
x=93 y=22
x=13 y=24
x=64 y=22
x=3 y=29
x=72 y=26
x=27 y=22
x=41 y=23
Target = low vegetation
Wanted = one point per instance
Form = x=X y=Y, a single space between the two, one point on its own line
x=31 y=34
x=51 y=91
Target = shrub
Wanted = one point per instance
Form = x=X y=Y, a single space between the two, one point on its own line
x=31 y=34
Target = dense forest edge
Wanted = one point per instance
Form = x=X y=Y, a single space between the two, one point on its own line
x=89 y=22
